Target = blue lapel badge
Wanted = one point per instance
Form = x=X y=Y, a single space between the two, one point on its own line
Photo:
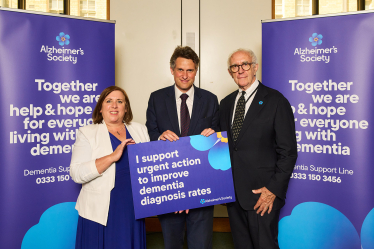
x=260 y=102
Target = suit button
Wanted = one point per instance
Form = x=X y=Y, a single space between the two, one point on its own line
x=236 y=149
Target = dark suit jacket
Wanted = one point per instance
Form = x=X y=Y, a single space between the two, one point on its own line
x=266 y=151
x=162 y=112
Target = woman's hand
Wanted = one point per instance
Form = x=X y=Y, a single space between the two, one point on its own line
x=116 y=155
x=103 y=163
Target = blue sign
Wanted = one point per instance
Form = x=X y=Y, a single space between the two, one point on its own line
x=326 y=73
x=52 y=70
x=190 y=173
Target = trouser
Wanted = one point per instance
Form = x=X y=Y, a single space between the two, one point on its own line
x=251 y=230
x=199 y=224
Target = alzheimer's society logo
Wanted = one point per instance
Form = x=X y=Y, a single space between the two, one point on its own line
x=316 y=39
x=202 y=201
x=63 y=39
x=314 y=53
x=62 y=54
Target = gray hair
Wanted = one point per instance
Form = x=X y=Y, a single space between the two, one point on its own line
x=249 y=52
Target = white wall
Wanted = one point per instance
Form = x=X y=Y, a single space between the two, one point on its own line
x=227 y=25
x=146 y=34
x=190 y=28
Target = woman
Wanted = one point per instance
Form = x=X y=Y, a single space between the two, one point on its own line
x=100 y=163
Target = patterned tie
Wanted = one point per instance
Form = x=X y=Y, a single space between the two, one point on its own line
x=185 y=116
x=239 y=117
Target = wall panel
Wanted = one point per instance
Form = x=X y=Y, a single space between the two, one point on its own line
x=226 y=26
x=146 y=34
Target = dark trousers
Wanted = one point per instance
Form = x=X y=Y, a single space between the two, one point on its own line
x=199 y=224
x=253 y=231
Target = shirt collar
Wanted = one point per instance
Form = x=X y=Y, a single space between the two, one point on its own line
x=250 y=89
x=178 y=92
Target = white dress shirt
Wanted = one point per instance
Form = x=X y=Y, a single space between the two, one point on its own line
x=248 y=102
x=189 y=102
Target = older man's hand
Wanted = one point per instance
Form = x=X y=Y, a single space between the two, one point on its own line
x=207 y=132
x=265 y=202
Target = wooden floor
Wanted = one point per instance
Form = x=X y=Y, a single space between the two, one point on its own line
x=220 y=225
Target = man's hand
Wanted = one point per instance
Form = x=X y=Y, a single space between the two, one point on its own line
x=187 y=210
x=169 y=135
x=207 y=132
x=265 y=202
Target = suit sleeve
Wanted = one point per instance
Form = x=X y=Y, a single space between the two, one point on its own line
x=82 y=167
x=286 y=148
x=151 y=123
x=145 y=134
x=215 y=120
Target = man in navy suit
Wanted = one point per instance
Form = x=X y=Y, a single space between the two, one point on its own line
x=184 y=110
x=263 y=152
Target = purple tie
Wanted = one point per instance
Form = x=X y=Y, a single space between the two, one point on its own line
x=185 y=116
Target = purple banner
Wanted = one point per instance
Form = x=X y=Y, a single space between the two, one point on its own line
x=52 y=70
x=324 y=67
x=190 y=173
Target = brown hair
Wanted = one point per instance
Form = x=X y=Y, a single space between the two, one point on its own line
x=97 y=117
x=184 y=52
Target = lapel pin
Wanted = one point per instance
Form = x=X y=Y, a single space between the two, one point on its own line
x=260 y=102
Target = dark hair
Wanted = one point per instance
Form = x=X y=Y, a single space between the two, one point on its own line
x=97 y=117
x=184 y=52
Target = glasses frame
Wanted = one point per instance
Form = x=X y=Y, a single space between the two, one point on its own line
x=241 y=66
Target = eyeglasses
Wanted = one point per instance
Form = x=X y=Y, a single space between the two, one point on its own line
x=245 y=66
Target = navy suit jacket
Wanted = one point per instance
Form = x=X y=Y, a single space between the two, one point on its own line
x=162 y=112
x=265 y=152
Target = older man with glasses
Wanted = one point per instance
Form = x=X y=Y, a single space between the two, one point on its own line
x=263 y=150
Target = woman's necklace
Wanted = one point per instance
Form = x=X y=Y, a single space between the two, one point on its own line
x=120 y=130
